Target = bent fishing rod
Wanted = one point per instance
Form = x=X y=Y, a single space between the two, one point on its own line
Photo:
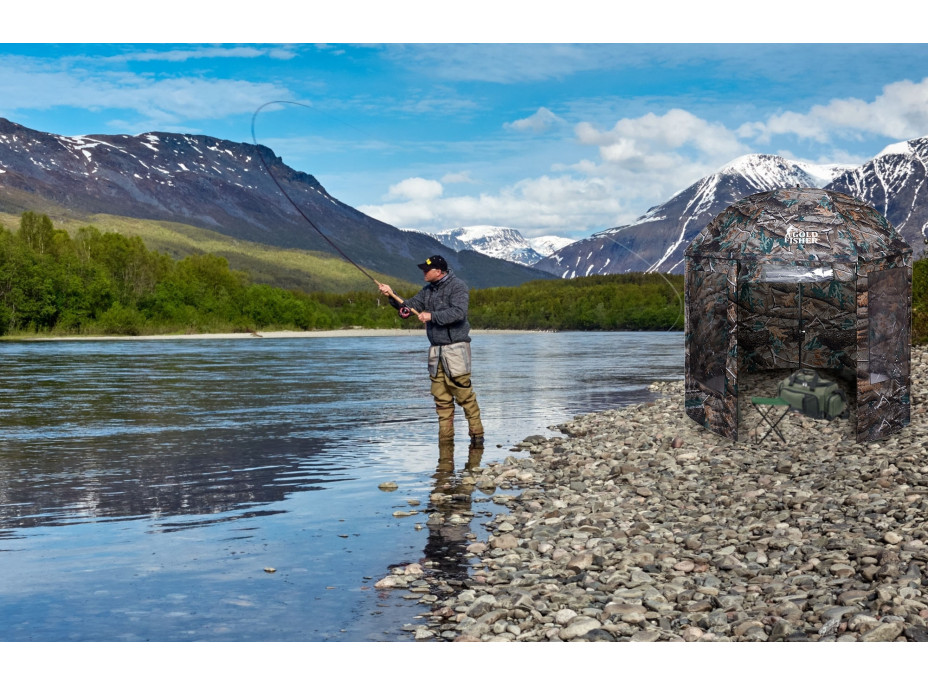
x=405 y=311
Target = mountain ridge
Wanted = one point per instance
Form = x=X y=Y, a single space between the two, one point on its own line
x=218 y=185
x=223 y=186
x=656 y=240
x=500 y=242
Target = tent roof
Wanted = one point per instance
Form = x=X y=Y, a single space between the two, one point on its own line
x=799 y=224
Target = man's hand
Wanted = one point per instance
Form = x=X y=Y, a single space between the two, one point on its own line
x=425 y=317
x=385 y=289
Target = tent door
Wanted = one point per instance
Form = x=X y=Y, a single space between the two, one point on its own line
x=801 y=332
x=712 y=346
x=883 y=381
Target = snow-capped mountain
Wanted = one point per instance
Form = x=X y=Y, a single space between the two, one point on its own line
x=895 y=183
x=547 y=245
x=500 y=242
x=213 y=184
x=657 y=239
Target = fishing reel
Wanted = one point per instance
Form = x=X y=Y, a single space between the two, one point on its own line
x=405 y=312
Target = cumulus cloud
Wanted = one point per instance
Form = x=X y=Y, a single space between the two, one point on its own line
x=541 y=121
x=653 y=156
x=630 y=139
x=415 y=189
x=900 y=112
x=563 y=204
x=639 y=162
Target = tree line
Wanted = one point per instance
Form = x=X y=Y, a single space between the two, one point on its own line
x=107 y=283
x=614 y=302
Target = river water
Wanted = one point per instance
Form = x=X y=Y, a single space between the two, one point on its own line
x=147 y=485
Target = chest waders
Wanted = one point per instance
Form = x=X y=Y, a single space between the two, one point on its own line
x=449 y=371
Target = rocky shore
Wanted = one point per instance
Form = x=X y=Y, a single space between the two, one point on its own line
x=638 y=525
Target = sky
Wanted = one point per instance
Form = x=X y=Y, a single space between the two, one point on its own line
x=560 y=128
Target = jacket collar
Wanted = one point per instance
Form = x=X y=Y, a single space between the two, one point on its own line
x=442 y=281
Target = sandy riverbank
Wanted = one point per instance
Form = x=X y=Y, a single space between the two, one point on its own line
x=639 y=525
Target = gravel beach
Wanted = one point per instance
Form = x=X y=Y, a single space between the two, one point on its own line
x=636 y=524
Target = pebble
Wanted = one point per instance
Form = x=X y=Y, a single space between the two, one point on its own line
x=636 y=524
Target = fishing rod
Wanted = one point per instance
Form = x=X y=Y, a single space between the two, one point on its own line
x=404 y=310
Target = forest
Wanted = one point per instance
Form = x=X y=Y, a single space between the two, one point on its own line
x=89 y=282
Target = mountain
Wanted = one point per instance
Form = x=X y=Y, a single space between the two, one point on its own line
x=895 y=183
x=657 y=239
x=548 y=245
x=502 y=243
x=217 y=185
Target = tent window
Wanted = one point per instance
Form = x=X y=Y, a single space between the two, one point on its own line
x=789 y=273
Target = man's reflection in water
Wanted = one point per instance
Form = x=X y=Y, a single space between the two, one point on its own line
x=450 y=513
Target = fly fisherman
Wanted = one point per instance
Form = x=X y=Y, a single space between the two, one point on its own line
x=442 y=306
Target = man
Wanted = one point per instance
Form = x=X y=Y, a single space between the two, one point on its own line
x=442 y=307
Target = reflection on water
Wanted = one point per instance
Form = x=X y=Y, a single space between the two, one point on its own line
x=146 y=485
x=451 y=513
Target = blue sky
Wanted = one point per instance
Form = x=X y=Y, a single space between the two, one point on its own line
x=548 y=138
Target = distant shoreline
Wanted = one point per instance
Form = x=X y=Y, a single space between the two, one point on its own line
x=334 y=333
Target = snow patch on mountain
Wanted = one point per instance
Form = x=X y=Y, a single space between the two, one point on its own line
x=500 y=242
x=773 y=171
x=900 y=148
x=548 y=245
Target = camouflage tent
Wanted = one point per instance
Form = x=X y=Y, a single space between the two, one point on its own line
x=796 y=278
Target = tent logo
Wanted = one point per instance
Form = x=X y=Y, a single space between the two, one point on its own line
x=796 y=236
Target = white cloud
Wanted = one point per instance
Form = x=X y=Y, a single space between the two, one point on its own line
x=654 y=156
x=541 y=121
x=641 y=162
x=630 y=139
x=899 y=112
x=416 y=189
x=549 y=204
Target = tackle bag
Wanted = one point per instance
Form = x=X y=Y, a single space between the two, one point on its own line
x=815 y=397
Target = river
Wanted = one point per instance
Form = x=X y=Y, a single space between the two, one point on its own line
x=227 y=489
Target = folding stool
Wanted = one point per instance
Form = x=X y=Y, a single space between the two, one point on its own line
x=767 y=407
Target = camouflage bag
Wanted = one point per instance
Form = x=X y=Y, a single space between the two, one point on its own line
x=807 y=392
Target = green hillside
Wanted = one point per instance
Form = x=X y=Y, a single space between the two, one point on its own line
x=55 y=281
x=301 y=270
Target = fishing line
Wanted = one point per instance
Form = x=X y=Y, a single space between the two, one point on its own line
x=405 y=311
x=281 y=188
x=658 y=272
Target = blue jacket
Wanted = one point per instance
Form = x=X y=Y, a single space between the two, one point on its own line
x=447 y=301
